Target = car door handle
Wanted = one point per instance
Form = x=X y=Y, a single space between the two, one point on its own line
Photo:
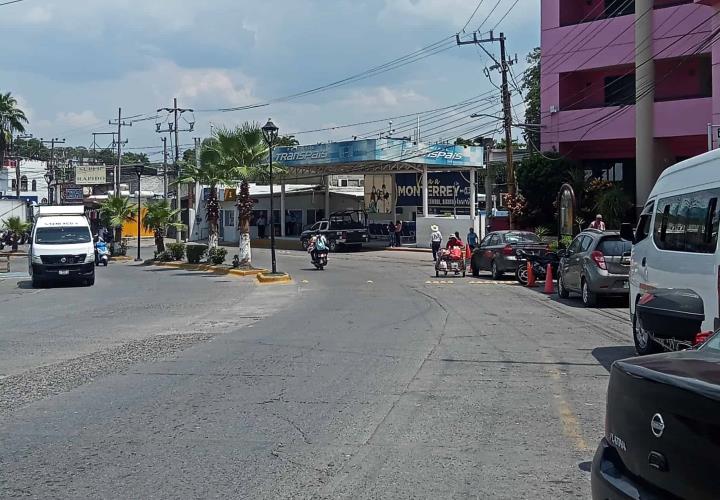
x=644 y=262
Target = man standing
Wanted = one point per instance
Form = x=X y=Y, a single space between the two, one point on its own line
x=598 y=223
x=261 y=226
x=472 y=239
x=398 y=234
x=435 y=240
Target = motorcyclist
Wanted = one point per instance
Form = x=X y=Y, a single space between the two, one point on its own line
x=317 y=244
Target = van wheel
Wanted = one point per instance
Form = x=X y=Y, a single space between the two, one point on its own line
x=589 y=298
x=90 y=281
x=644 y=343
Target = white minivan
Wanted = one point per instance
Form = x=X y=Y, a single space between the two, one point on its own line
x=675 y=263
x=62 y=247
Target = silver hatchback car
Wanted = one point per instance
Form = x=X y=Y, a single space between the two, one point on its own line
x=597 y=263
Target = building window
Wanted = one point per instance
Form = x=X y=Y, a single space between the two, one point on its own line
x=23 y=183
x=619 y=90
x=614 y=8
x=34 y=185
x=314 y=216
x=229 y=218
x=353 y=182
x=342 y=182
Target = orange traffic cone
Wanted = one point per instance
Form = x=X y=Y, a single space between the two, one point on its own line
x=530 y=275
x=549 y=283
x=468 y=253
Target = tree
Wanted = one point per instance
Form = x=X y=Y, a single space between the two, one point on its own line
x=16 y=227
x=12 y=120
x=133 y=158
x=477 y=141
x=287 y=140
x=515 y=144
x=158 y=217
x=539 y=180
x=531 y=87
x=117 y=210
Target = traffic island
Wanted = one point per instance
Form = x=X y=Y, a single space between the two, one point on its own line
x=273 y=278
x=222 y=270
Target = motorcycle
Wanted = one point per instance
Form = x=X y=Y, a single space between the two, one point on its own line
x=320 y=259
x=539 y=265
x=102 y=253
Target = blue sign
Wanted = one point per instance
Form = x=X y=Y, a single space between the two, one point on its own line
x=445 y=189
x=374 y=150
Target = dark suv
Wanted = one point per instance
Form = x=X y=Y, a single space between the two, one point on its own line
x=596 y=263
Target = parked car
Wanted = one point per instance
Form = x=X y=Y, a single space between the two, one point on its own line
x=597 y=263
x=497 y=252
x=348 y=228
x=661 y=427
x=675 y=264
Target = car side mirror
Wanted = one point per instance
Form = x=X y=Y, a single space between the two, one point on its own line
x=627 y=232
x=562 y=253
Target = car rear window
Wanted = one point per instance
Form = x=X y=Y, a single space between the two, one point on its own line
x=614 y=246
x=522 y=238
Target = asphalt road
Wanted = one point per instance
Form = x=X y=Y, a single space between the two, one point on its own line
x=372 y=379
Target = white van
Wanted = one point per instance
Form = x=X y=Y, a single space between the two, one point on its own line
x=62 y=246
x=674 y=270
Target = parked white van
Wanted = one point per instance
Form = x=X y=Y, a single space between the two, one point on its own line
x=61 y=247
x=675 y=263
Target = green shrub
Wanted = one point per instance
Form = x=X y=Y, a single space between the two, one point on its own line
x=195 y=252
x=216 y=256
x=163 y=256
x=118 y=249
x=176 y=250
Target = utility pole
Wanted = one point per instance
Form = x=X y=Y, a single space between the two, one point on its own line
x=95 y=144
x=504 y=66
x=51 y=165
x=17 y=163
x=173 y=127
x=165 y=165
x=120 y=124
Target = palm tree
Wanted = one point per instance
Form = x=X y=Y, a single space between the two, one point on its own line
x=158 y=217
x=12 y=119
x=117 y=210
x=16 y=227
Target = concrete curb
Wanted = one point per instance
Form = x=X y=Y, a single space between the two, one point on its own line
x=268 y=279
x=119 y=258
x=208 y=268
x=13 y=254
x=408 y=249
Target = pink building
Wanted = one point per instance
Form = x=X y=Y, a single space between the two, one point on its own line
x=597 y=105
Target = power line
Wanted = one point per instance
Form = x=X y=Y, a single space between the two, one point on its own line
x=505 y=15
x=8 y=3
x=472 y=16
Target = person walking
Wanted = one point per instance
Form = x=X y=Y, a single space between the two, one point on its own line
x=472 y=239
x=398 y=234
x=435 y=240
x=598 y=223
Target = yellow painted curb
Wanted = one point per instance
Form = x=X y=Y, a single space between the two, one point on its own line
x=209 y=268
x=266 y=279
x=120 y=258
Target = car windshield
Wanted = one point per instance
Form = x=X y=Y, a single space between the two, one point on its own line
x=522 y=238
x=615 y=246
x=66 y=235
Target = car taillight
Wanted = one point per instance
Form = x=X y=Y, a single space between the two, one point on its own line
x=701 y=338
x=508 y=250
x=599 y=259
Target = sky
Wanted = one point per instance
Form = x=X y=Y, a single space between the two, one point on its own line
x=72 y=63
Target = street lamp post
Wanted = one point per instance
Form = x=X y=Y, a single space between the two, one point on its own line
x=270 y=133
x=49 y=178
x=138 y=171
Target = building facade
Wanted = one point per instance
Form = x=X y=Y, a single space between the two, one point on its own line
x=629 y=87
x=33 y=187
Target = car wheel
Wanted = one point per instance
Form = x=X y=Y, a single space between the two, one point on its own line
x=332 y=245
x=496 y=273
x=521 y=275
x=475 y=269
x=563 y=292
x=644 y=344
x=305 y=244
x=589 y=298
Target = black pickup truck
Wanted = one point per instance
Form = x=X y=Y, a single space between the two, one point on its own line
x=348 y=229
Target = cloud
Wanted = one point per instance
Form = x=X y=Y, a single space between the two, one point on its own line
x=72 y=119
x=37 y=15
x=382 y=98
x=453 y=12
x=216 y=83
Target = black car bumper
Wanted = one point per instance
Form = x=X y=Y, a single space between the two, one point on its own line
x=44 y=271
x=611 y=481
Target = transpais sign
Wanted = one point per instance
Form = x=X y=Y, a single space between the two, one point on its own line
x=90 y=175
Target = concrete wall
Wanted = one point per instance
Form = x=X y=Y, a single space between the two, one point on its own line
x=447 y=226
x=12 y=208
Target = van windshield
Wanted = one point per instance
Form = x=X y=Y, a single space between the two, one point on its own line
x=67 y=235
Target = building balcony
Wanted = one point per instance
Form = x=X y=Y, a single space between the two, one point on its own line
x=675 y=118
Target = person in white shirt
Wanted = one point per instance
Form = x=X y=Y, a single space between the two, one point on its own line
x=435 y=240
x=598 y=223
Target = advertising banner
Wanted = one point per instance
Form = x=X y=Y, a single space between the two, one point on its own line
x=445 y=190
x=374 y=150
x=90 y=175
